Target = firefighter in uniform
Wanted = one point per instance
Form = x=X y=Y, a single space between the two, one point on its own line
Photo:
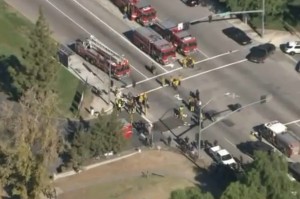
x=181 y=108
x=192 y=103
x=188 y=62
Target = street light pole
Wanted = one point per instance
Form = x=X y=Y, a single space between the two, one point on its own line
x=200 y=127
x=237 y=110
x=109 y=83
x=233 y=95
x=263 y=19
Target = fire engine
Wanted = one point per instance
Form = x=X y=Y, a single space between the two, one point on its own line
x=154 y=45
x=138 y=10
x=92 y=50
x=177 y=34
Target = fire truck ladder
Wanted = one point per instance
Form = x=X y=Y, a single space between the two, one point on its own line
x=94 y=43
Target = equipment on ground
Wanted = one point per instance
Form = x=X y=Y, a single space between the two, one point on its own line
x=154 y=45
x=101 y=56
x=279 y=136
x=138 y=10
x=222 y=156
x=177 y=34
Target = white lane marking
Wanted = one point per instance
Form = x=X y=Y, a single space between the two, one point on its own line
x=291 y=58
x=201 y=52
x=113 y=30
x=178 y=97
x=85 y=30
x=174 y=70
x=292 y=122
x=199 y=74
x=230 y=142
x=148 y=120
x=214 y=69
x=216 y=56
x=297 y=124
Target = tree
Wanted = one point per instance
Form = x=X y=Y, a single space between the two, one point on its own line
x=29 y=144
x=190 y=193
x=40 y=55
x=274 y=9
x=265 y=179
x=104 y=136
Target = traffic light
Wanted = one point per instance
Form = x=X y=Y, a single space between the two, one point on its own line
x=210 y=18
x=263 y=99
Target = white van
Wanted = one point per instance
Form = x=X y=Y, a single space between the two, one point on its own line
x=292 y=47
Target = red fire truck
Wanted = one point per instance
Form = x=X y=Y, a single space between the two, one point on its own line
x=101 y=56
x=138 y=10
x=154 y=45
x=177 y=34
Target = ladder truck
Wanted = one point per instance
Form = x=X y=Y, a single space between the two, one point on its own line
x=177 y=34
x=138 y=10
x=154 y=45
x=98 y=54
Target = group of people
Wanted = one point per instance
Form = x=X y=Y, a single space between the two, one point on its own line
x=132 y=103
x=193 y=102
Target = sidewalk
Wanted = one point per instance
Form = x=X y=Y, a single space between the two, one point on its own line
x=275 y=37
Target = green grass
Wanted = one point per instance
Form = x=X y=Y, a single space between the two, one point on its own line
x=14 y=31
x=66 y=85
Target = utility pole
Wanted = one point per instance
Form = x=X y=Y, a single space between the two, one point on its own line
x=109 y=82
x=200 y=127
x=263 y=19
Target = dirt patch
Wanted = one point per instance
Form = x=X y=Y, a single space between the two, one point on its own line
x=124 y=178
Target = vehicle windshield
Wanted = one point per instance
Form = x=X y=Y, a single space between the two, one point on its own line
x=123 y=68
x=226 y=157
x=259 y=52
x=168 y=53
x=150 y=14
x=190 y=44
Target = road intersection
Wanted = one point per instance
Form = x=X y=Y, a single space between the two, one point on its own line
x=221 y=66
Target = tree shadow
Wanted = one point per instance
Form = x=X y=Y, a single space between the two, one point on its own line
x=6 y=81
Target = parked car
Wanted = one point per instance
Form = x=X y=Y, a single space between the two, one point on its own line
x=260 y=53
x=237 y=35
x=191 y=3
x=292 y=47
x=294 y=170
x=251 y=147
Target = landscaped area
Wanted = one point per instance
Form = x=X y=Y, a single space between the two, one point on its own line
x=124 y=179
x=14 y=35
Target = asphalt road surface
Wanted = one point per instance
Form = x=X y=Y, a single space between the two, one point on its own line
x=221 y=66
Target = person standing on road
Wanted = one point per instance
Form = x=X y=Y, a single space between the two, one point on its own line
x=181 y=113
x=197 y=95
x=192 y=104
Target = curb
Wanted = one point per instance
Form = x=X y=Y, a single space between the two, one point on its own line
x=71 y=173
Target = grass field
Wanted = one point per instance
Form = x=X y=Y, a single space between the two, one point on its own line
x=124 y=180
x=137 y=187
x=14 y=32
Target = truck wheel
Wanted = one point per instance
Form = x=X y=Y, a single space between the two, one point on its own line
x=292 y=53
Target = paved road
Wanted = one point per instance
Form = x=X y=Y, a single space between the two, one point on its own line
x=217 y=71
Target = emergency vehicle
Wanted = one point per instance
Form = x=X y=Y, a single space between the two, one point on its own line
x=92 y=50
x=279 y=136
x=177 y=34
x=138 y=10
x=222 y=156
x=154 y=45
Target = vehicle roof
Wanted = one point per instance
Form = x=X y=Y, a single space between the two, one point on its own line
x=260 y=146
x=142 y=4
x=294 y=43
x=223 y=152
x=267 y=46
x=288 y=139
x=150 y=34
x=276 y=127
x=215 y=148
x=184 y=34
x=295 y=166
x=167 y=24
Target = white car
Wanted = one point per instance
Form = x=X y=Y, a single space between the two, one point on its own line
x=292 y=47
x=221 y=156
